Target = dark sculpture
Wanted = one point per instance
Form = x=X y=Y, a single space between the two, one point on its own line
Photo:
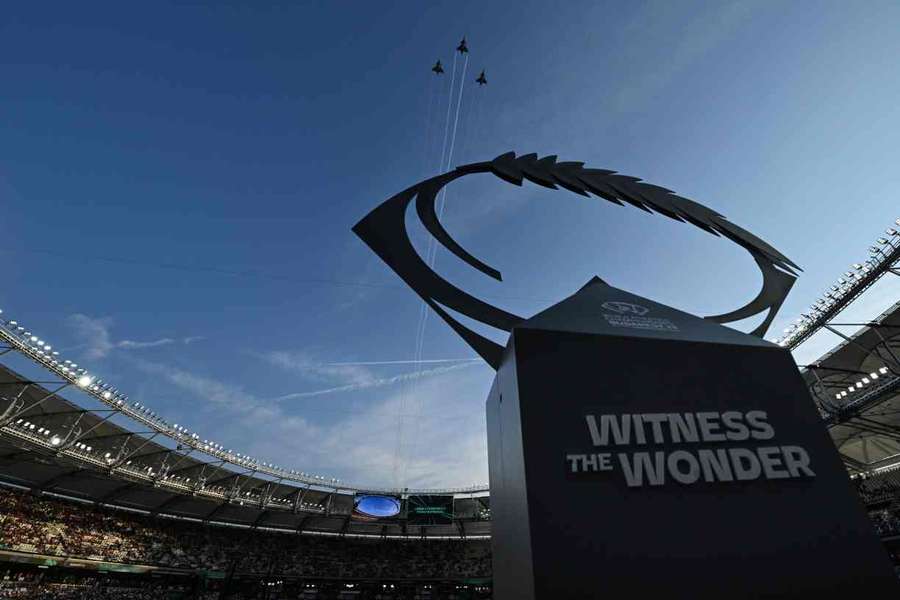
x=384 y=231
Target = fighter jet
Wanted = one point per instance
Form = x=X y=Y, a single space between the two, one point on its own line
x=482 y=80
x=437 y=68
x=462 y=48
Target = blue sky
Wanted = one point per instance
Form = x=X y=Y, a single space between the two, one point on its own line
x=178 y=186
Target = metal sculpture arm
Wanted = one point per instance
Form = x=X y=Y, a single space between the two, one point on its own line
x=384 y=231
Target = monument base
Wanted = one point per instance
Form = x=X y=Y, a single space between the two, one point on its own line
x=636 y=449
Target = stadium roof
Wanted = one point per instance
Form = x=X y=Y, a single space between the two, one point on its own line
x=16 y=337
x=50 y=444
x=857 y=386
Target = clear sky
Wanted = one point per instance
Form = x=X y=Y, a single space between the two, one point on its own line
x=178 y=185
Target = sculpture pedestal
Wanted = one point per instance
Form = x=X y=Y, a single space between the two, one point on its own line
x=635 y=449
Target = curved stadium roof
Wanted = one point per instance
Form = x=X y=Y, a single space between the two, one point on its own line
x=857 y=386
x=49 y=444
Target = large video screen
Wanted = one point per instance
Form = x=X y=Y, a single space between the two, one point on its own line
x=429 y=510
x=375 y=507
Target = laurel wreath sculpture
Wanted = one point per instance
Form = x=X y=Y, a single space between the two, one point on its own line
x=384 y=231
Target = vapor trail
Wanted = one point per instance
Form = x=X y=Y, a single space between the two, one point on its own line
x=385 y=381
x=370 y=363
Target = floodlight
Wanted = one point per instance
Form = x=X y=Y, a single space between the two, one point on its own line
x=55 y=441
x=865 y=380
x=882 y=240
x=873 y=375
x=85 y=380
x=883 y=370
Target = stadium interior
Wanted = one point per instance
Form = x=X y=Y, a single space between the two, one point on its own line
x=89 y=508
x=103 y=498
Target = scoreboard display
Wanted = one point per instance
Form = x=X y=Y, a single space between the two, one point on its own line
x=429 y=510
x=375 y=507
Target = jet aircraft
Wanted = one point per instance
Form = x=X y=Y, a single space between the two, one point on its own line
x=482 y=80
x=462 y=48
x=437 y=68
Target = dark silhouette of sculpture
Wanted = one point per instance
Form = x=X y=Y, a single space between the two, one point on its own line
x=384 y=231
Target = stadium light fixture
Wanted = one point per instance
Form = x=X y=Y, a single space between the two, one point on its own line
x=55 y=440
x=84 y=381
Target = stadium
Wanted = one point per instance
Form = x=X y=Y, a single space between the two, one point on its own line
x=103 y=494
x=156 y=509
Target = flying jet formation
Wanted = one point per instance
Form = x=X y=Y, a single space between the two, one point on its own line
x=437 y=68
x=482 y=80
x=462 y=48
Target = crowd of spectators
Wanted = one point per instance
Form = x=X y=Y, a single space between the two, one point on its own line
x=51 y=526
x=880 y=493
x=881 y=487
x=886 y=522
x=24 y=583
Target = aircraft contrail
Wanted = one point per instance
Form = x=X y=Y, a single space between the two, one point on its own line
x=375 y=382
x=372 y=363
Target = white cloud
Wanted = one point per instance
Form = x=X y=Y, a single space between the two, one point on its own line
x=98 y=341
x=95 y=333
x=432 y=437
x=133 y=345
